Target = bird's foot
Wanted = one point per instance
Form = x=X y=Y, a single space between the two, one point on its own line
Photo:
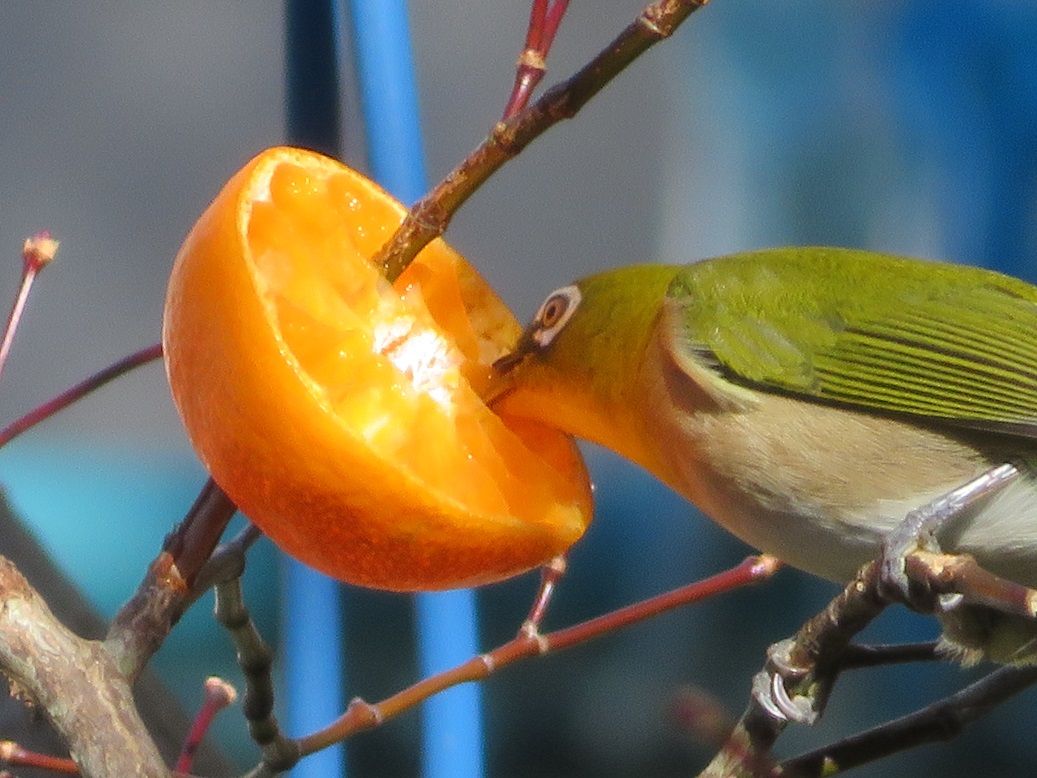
x=771 y=687
x=918 y=533
x=893 y=583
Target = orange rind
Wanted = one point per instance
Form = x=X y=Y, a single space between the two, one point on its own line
x=341 y=413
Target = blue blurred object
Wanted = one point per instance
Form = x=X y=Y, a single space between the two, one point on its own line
x=314 y=662
x=966 y=87
x=452 y=728
x=312 y=625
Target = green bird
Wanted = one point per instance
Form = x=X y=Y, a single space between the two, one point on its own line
x=808 y=400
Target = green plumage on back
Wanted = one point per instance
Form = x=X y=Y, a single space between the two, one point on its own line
x=944 y=342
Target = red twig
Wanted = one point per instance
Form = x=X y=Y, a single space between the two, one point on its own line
x=37 y=252
x=362 y=715
x=77 y=392
x=13 y=754
x=545 y=16
x=550 y=575
x=218 y=695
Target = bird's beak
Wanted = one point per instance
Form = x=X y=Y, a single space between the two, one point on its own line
x=502 y=379
x=509 y=362
x=523 y=349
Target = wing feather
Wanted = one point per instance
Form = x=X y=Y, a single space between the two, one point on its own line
x=949 y=343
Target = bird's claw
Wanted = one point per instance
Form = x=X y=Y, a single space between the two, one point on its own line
x=894 y=584
x=770 y=692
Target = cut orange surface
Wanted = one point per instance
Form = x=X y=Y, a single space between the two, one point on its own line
x=341 y=413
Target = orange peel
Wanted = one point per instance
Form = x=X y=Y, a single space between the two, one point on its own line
x=341 y=413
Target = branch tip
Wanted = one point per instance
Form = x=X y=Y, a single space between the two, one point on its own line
x=220 y=692
x=38 y=251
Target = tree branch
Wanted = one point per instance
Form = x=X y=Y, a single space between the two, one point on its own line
x=943 y=720
x=430 y=216
x=76 y=682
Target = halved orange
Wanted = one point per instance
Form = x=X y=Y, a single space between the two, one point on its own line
x=341 y=413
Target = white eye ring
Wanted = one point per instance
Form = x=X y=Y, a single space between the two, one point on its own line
x=553 y=315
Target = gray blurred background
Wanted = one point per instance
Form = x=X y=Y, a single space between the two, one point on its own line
x=900 y=126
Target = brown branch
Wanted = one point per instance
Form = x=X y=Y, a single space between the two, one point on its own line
x=76 y=682
x=943 y=720
x=429 y=217
x=821 y=647
x=144 y=621
x=191 y=544
x=961 y=574
x=815 y=652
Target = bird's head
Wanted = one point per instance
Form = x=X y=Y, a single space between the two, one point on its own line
x=577 y=365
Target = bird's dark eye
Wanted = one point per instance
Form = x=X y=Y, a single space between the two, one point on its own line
x=553 y=310
x=557 y=309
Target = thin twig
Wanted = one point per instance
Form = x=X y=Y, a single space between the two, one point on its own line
x=218 y=695
x=227 y=561
x=79 y=391
x=857 y=656
x=550 y=575
x=255 y=659
x=13 y=754
x=429 y=217
x=37 y=252
x=532 y=63
x=943 y=720
x=362 y=715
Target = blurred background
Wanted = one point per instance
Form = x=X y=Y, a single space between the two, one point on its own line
x=901 y=126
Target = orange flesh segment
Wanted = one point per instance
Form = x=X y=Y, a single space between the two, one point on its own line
x=400 y=384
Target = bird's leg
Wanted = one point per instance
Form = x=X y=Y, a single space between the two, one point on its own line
x=918 y=532
x=550 y=574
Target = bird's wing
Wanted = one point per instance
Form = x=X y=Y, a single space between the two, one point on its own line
x=882 y=333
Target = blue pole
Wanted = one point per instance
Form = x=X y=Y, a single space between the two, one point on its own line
x=312 y=623
x=313 y=662
x=452 y=727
